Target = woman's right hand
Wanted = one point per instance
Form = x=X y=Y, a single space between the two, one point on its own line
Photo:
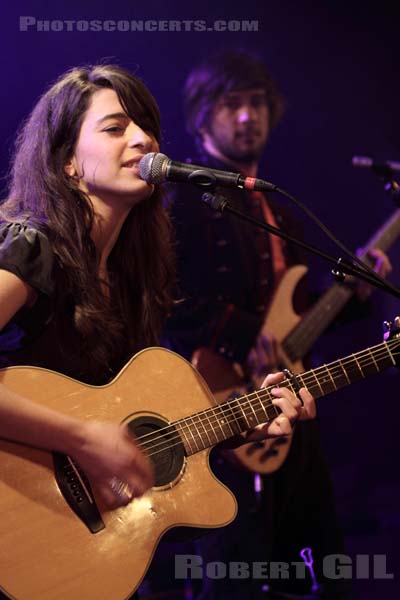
x=113 y=462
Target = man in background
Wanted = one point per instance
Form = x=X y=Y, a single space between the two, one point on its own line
x=228 y=271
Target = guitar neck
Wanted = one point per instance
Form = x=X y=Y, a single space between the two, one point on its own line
x=214 y=425
x=301 y=339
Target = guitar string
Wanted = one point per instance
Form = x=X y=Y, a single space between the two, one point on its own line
x=311 y=376
x=262 y=395
x=226 y=408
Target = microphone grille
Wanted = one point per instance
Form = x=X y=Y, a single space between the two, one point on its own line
x=151 y=167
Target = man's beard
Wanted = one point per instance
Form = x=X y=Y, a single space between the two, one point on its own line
x=246 y=156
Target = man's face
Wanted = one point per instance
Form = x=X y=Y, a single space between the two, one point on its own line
x=239 y=126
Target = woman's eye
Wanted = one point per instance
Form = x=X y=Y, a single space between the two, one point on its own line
x=113 y=129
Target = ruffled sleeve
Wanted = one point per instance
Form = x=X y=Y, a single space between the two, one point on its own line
x=26 y=252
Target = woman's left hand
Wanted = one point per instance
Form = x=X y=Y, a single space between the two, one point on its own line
x=291 y=407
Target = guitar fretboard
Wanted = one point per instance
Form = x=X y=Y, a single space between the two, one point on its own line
x=214 y=425
x=301 y=339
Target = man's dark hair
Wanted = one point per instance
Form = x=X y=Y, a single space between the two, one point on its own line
x=227 y=71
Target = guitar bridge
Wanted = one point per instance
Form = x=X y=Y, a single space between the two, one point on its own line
x=76 y=490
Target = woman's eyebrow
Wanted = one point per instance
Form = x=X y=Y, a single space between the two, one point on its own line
x=116 y=115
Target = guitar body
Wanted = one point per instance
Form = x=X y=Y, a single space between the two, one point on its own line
x=225 y=380
x=268 y=456
x=281 y=318
x=57 y=542
x=46 y=551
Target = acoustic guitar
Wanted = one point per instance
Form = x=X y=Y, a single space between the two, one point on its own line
x=57 y=541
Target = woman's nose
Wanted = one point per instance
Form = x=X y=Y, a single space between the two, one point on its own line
x=139 y=138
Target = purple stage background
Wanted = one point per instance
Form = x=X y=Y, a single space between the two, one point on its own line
x=337 y=64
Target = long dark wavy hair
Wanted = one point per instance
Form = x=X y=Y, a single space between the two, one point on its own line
x=141 y=262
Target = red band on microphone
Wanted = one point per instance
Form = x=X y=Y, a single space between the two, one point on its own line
x=249 y=183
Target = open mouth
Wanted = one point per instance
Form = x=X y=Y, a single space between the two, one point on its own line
x=130 y=164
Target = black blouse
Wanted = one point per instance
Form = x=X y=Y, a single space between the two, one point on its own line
x=45 y=334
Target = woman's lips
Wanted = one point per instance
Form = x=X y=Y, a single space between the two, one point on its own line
x=133 y=162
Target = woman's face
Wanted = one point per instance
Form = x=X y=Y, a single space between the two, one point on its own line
x=108 y=150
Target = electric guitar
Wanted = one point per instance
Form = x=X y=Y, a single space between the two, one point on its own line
x=57 y=541
x=295 y=335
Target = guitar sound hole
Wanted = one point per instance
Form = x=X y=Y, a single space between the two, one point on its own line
x=162 y=444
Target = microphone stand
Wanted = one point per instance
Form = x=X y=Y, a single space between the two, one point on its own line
x=341 y=267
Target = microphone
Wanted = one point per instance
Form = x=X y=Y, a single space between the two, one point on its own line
x=386 y=168
x=156 y=168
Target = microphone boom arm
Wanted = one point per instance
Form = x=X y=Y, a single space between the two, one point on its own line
x=341 y=266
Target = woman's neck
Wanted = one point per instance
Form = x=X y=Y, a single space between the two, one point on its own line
x=107 y=226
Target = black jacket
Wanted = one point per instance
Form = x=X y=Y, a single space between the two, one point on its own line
x=225 y=274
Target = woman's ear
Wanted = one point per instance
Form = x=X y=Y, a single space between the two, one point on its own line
x=70 y=168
